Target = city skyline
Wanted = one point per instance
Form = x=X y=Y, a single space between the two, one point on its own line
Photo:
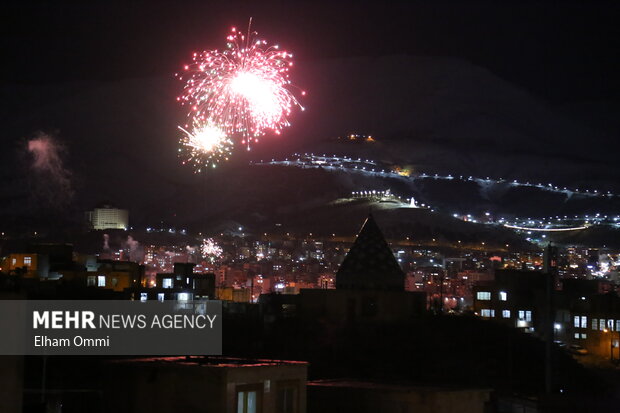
x=278 y=207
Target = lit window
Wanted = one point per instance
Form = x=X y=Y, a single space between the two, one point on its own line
x=594 y=323
x=483 y=295
x=506 y=313
x=167 y=283
x=610 y=325
x=503 y=296
x=486 y=312
x=576 y=335
x=584 y=321
x=13 y=261
x=183 y=297
x=584 y=336
x=577 y=323
x=521 y=315
x=601 y=324
x=617 y=325
x=248 y=401
x=528 y=316
x=160 y=296
x=101 y=281
x=27 y=261
x=143 y=297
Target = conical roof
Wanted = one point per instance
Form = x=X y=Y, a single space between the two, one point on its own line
x=370 y=263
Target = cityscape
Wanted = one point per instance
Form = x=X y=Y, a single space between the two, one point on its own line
x=406 y=214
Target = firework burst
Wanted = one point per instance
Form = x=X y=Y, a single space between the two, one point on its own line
x=204 y=146
x=210 y=249
x=244 y=89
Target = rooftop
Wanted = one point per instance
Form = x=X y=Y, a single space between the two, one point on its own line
x=209 y=361
x=370 y=263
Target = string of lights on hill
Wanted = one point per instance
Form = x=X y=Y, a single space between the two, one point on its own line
x=372 y=168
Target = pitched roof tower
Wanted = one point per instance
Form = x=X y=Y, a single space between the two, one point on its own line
x=370 y=263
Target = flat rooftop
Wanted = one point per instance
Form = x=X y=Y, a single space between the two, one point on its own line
x=389 y=386
x=210 y=361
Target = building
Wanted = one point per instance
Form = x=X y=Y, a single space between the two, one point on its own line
x=516 y=298
x=370 y=286
x=182 y=284
x=585 y=312
x=206 y=384
x=28 y=265
x=336 y=396
x=595 y=324
x=108 y=217
x=106 y=274
x=370 y=263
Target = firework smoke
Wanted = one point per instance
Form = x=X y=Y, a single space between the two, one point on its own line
x=52 y=181
x=136 y=252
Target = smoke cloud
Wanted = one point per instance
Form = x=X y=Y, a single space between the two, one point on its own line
x=51 y=180
x=135 y=250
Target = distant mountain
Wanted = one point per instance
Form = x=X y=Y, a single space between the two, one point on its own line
x=438 y=114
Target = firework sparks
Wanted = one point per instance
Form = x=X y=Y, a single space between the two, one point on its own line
x=244 y=89
x=204 y=146
x=210 y=249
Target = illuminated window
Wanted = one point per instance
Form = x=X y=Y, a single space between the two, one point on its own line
x=249 y=399
x=528 y=316
x=584 y=336
x=143 y=297
x=506 y=313
x=486 y=312
x=167 y=283
x=13 y=261
x=584 y=321
x=601 y=324
x=101 y=281
x=594 y=323
x=27 y=261
x=576 y=335
x=521 y=315
x=160 y=296
x=183 y=297
x=577 y=322
x=483 y=295
x=503 y=296
x=617 y=325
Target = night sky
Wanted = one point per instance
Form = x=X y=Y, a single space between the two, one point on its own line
x=515 y=89
x=562 y=51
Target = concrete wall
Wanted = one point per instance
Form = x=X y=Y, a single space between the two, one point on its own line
x=364 y=397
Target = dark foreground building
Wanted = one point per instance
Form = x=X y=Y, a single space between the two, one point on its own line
x=206 y=384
